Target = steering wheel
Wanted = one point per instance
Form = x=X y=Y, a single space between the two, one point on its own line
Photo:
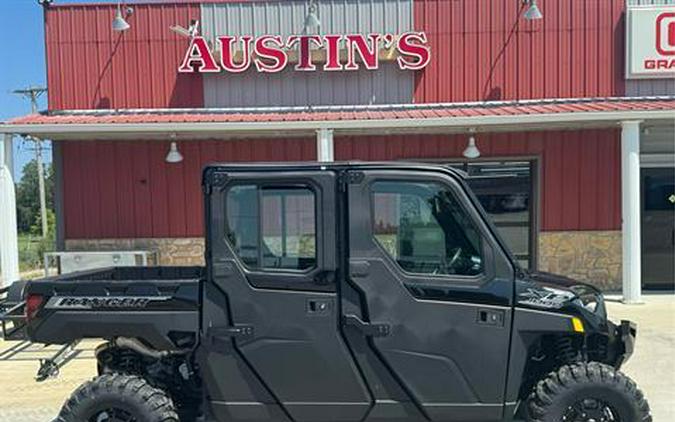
x=447 y=267
x=455 y=257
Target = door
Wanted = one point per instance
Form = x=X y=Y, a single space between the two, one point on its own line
x=658 y=227
x=430 y=290
x=271 y=312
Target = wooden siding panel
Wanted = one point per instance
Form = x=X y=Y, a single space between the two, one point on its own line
x=142 y=197
x=125 y=198
x=73 y=189
x=158 y=191
x=90 y=66
x=576 y=192
x=127 y=190
x=491 y=52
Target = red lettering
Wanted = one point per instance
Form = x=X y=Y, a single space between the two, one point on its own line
x=659 y=64
x=227 y=58
x=666 y=64
x=304 y=50
x=415 y=54
x=269 y=52
x=332 y=52
x=357 y=43
x=271 y=57
x=198 y=58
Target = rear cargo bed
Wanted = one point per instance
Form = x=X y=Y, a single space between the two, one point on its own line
x=159 y=305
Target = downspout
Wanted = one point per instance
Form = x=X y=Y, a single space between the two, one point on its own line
x=9 y=244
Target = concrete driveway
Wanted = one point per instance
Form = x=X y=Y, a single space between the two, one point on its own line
x=652 y=366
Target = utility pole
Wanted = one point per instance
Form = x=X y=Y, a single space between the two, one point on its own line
x=33 y=93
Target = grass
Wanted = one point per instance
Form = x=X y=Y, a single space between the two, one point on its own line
x=31 y=251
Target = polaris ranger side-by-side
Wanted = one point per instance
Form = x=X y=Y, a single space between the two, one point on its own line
x=337 y=292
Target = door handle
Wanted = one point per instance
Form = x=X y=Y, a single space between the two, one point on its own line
x=491 y=317
x=368 y=329
x=236 y=331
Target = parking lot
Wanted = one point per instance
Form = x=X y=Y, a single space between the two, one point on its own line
x=23 y=399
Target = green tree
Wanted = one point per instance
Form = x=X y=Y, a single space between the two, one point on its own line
x=28 y=199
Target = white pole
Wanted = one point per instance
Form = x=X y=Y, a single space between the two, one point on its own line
x=630 y=211
x=9 y=154
x=324 y=145
x=9 y=247
x=41 y=187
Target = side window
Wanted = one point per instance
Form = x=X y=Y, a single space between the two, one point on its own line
x=424 y=229
x=272 y=227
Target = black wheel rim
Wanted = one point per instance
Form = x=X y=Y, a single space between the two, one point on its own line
x=591 y=410
x=113 y=415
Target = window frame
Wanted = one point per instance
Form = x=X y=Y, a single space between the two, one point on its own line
x=427 y=280
x=260 y=185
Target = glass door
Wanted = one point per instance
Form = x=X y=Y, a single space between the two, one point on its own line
x=658 y=227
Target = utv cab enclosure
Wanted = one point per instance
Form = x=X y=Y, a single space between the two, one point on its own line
x=340 y=292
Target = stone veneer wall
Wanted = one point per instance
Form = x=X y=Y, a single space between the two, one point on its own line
x=590 y=256
x=170 y=251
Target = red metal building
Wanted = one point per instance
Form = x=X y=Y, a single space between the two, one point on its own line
x=550 y=103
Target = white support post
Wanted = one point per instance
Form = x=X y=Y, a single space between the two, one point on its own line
x=630 y=211
x=9 y=154
x=9 y=247
x=324 y=145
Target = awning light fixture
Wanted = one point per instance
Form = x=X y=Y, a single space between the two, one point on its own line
x=312 y=20
x=471 y=151
x=119 y=23
x=174 y=156
x=532 y=13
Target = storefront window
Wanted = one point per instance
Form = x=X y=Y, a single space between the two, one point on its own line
x=505 y=191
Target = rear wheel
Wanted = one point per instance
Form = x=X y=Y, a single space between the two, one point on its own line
x=587 y=392
x=118 y=398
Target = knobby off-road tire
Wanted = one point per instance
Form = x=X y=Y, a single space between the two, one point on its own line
x=118 y=397
x=585 y=392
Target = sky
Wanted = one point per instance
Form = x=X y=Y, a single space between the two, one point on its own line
x=22 y=64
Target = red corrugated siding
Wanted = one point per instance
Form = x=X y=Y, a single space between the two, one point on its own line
x=580 y=186
x=126 y=190
x=485 y=50
x=90 y=66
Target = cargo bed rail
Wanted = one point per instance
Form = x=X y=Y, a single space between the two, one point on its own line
x=12 y=312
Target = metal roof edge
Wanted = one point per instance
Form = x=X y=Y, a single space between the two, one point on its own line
x=357 y=107
x=486 y=121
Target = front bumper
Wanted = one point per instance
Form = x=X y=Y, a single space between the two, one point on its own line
x=622 y=342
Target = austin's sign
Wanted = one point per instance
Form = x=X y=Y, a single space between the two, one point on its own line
x=272 y=53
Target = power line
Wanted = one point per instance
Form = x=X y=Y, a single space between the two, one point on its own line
x=33 y=93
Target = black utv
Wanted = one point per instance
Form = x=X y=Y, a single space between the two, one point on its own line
x=337 y=292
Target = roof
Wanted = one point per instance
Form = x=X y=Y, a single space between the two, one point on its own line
x=514 y=114
x=336 y=165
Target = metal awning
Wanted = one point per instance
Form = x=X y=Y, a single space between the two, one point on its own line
x=221 y=123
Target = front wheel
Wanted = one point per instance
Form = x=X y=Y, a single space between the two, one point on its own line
x=587 y=392
x=118 y=398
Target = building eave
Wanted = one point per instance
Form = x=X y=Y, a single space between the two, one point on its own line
x=279 y=121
